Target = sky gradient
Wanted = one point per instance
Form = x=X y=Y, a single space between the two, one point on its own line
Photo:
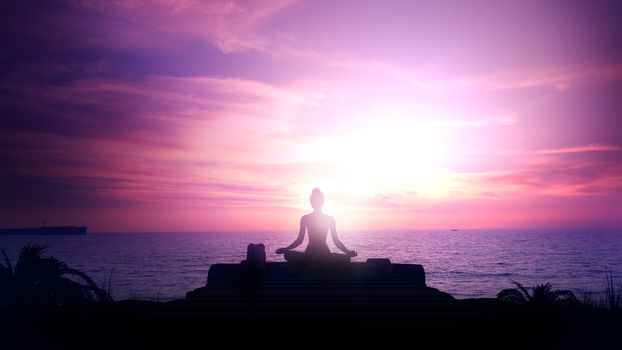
x=184 y=115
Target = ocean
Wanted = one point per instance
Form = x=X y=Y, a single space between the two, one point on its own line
x=465 y=263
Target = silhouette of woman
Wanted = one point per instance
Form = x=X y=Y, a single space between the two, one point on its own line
x=316 y=225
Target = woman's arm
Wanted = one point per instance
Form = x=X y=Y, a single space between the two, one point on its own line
x=337 y=241
x=299 y=239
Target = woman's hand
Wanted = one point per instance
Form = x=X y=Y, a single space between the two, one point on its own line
x=281 y=251
x=352 y=253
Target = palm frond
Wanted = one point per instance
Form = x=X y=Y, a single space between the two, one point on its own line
x=523 y=290
x=100 y=294
x=29 y=257
x=30 y=251
x=39 y=279
x=541 y=295
x=512 y=296
x=566 y=299
x=7 y=262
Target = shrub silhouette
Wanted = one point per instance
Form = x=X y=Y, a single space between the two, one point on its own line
x=39 y=279
x=541 y=295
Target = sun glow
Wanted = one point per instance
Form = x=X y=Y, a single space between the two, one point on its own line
x=393 y=157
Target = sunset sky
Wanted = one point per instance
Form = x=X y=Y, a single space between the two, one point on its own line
x=181 y=115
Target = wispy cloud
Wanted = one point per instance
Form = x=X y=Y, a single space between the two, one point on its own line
x=229 y=25
x=558 y=172
x=504 y=120
x=558 y=78
x=193 y=109
x=597 y=147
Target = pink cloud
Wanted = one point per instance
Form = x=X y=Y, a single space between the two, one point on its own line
x=573 y=171
x=229 y=25
x=210 y=114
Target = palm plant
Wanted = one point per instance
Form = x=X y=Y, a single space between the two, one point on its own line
x=541 y=295
x=38 y=279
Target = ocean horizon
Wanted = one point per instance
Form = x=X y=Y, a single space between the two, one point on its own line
x=464 y=263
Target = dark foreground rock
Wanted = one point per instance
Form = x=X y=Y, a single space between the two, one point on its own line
x=184 y=323
x=274 y=306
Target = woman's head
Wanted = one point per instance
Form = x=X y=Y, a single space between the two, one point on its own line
x=317 y=199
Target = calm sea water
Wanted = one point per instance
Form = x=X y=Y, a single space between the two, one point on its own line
x=465 y=263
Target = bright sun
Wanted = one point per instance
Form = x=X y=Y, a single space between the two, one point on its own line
x=394 y=157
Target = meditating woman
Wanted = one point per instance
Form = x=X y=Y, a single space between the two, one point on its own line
x=316 y=225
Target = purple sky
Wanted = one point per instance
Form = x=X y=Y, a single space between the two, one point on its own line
x=186 y=115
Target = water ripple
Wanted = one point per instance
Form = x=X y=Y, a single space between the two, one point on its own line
x=467 y=263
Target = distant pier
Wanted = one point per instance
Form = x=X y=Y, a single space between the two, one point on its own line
x=45 y=230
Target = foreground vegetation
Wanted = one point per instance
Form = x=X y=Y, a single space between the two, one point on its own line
x=541 y=295
x=544 y=296
x=36 y=279
x=60 y=308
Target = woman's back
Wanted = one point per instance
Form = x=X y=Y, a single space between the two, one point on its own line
x=317 y=225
